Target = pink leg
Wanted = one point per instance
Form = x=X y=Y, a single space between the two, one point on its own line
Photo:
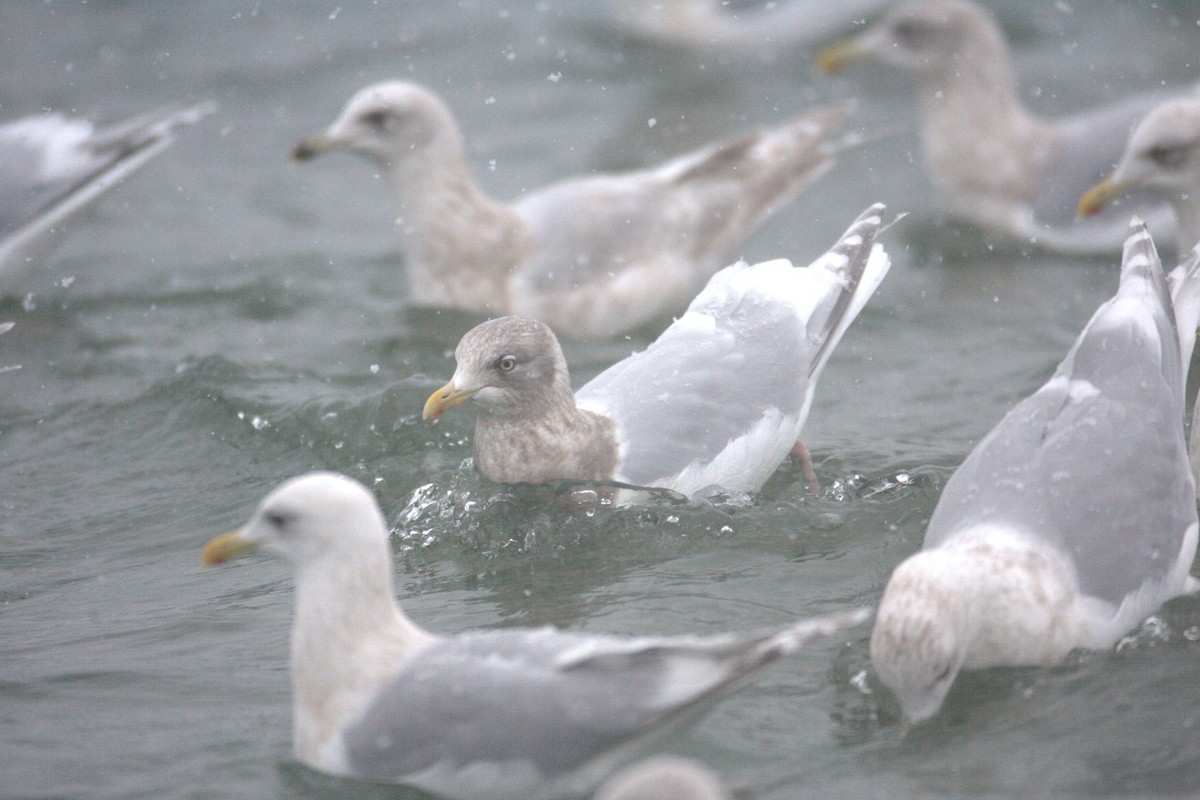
x=799 y=453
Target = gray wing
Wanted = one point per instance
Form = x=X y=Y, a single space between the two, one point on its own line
x=52 y=166
x=522 y=698
x=1095 y=460
x=690 y=213
x=749 y=346
x=1086 y=149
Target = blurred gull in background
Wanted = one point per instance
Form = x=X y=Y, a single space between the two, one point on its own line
x=751 y=30
x=717 y=401
x=52 y=167
x=1072 y=520
x=995 y=163
x=593 y=257
x=1162 y=157
x=499 y=714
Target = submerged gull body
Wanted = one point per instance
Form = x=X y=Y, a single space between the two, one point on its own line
x=591 y=256
x=502 y=714
x=1072 y=520
x=52 y=167
x=663 y=778
x=995 y=163
x=717 y=401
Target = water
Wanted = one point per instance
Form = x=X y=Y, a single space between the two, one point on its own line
x=227 y=319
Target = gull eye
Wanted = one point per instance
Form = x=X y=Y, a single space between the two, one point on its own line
x=912 y=33
x=276 y=519
x=506 y=363
x=377 y=119
x=1167 y=155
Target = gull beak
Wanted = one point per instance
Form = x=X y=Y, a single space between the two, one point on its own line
x=445 y=399
x=839 y=55
x=1096 y=198
x=315 y=145
x=225 y=547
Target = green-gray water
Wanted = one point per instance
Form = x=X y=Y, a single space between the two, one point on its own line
x=227 y=319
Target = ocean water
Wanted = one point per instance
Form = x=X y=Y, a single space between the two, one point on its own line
x=227 y=319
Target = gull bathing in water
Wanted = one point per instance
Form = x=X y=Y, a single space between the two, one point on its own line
x=494 y=714
x=52 y=167
x=995 y=163
x=718 y=400
x=1072 y=520
x=593 y=256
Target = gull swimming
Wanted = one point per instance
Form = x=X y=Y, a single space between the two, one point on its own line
x=717 y=401
x=1072 y=520
x=1163 y=158
x=592 y=256
x=996 y=164
x=491 y=714
x=52 y=167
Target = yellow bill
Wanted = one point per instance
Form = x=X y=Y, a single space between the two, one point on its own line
x=445 y=399
x=225 y=547
x=837 y=56
x=1096 y=198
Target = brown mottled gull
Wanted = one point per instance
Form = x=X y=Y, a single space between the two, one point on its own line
x=492 y=714
x=995 y=163
x=718 y=400
x=1069 y=522
x=1163 y=158
x=591 y=256
x=52 y=167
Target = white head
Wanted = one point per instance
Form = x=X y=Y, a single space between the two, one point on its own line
x=509 y=367
x=1164 y=149
x=926 y=37
x=308 y=519
x=919 y=643
x=389 y=122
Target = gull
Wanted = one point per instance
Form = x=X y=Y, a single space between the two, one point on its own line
x=52 y=167
x=718 y=400
x=492 y=714
x=663 y=778
x=1072 y=520
x=1163 y=158
x=996 y=164
x=750 y=31
x=592 y=256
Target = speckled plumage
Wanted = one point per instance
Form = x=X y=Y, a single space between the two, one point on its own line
x=995 y=163
x=592 y=256
x=1070 y=521
x=679 y=415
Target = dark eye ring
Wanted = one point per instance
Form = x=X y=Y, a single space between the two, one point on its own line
x=376 y=119
x=506 y=363
x=276 y=519
x=1166 y=155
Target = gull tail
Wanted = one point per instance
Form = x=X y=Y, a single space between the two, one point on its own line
x=861 y=264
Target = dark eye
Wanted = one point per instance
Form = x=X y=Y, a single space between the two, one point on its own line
x=277 y=520
x=911 y=32
x=1167 y=155
x=506 y=363
x=376 y=119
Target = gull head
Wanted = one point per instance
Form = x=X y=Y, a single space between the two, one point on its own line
x=509 y=367
x=1163 y=154
x=924 y=36
x=304 y=519
x=391 y=123
x=918 y=644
